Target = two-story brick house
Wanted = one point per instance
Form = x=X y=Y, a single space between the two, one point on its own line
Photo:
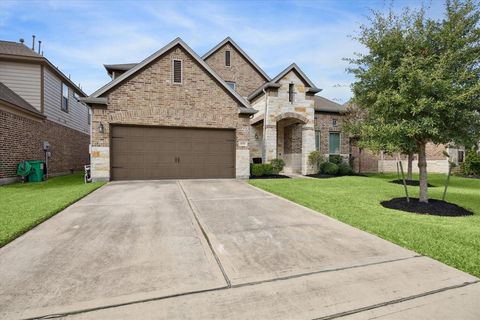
x=179 y=115
x=39 y=104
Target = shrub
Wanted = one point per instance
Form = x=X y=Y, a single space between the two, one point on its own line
x=329 y=168
x=261 y=169
x=267 y=169
x=277 y=165
x=335 y=158
x=315 y=159
x=344 y=169
x=471 y=165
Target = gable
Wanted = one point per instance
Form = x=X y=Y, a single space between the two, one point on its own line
x=100 y=93
x=150 y=92
x=242 y=70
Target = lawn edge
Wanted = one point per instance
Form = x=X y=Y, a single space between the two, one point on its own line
x=38 y=222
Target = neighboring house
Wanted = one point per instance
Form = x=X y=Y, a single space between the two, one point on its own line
x=179 y=115
x=39 y=104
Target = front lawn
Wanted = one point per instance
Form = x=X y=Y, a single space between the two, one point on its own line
x=356 y=201
x=23 y=206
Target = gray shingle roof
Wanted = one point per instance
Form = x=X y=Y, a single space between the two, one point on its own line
x=17 y=49
x=8 y=96
x=322 y=104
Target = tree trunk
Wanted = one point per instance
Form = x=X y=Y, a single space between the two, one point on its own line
x=409 y=170
x=422 y=168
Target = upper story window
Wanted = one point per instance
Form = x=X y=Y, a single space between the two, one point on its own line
x=227 y=58
x=76 y=96
x=334 y=122
x=231 y=84
x=177 y=71
x=291 y=92
x=64 y=97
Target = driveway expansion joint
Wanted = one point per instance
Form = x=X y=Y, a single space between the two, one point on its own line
x=217 y=259
x=395 y=301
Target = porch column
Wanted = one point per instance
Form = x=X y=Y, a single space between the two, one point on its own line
x=270 y=142
x=308 y=145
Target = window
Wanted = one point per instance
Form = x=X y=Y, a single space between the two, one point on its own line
x=231 y=84
x=334 y=122
x=227 y=58
x=461 y=155
x=177 y=71
x=334 y=143
x=64 y=97
x=291 y=92
x=76 y=96
x=317 y=140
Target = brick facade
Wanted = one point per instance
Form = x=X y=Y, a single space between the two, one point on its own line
x=21 y=138
x=240 y=71
x=150 y=98
x=324 y=124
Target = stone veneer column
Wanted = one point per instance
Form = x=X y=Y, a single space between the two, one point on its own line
x=100 y=164
x=271 y=142
x=308 y=145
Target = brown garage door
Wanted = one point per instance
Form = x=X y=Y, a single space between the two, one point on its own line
x=145 y=153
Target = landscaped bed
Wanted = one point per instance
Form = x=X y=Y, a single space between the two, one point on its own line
x=357 y=201
x=414 y=183
x=23 y=206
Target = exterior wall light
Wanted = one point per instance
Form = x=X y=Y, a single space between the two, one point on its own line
x=101 y=129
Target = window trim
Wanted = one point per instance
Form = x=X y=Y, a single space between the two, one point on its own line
x=173 y=72
x=232 y=82
x=66 y=109
x=318 y=133
x=229 y=64
x=339 y=142
x=291 y=92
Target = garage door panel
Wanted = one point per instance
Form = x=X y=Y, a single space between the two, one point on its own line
x=152 y=153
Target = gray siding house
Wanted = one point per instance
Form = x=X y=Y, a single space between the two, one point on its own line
x=38 y=104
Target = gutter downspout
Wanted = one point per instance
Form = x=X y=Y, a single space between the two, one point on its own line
x=264 y=138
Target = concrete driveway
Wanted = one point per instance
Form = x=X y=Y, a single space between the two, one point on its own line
x=218 y=249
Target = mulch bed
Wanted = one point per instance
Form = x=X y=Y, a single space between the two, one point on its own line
x=271 y=176
x=433 y=207
x=328 y=176
x=321 y=176
x=410 y=182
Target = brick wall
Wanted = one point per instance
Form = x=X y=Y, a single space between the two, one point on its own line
x=240 y=71
x=150 y=98
x=324 y=123
x=22 y=139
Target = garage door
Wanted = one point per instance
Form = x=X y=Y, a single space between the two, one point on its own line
x=145 y=153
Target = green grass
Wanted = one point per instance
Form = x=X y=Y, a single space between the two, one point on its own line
x=356 y=201
x=23 y=206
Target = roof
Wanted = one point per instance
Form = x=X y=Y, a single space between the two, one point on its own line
x=236 y=46
x=119 y=67
x=11 y=98
x=311 y=87
x=19 y=51
x=322 y=104
x=176 y=42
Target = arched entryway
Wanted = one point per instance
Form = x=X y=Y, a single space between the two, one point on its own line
x=289 y=140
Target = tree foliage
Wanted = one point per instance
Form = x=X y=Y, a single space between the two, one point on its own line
x=419 y=81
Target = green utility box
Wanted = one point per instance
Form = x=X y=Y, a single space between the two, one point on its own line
x=36 y=173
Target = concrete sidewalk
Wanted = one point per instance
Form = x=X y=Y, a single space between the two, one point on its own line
x=218 y=249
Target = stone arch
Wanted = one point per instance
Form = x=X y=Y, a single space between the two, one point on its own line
x=291 y=115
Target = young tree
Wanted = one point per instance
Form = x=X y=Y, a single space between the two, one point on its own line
x=420 y=80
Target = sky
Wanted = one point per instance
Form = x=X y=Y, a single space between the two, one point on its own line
x=80 y=36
